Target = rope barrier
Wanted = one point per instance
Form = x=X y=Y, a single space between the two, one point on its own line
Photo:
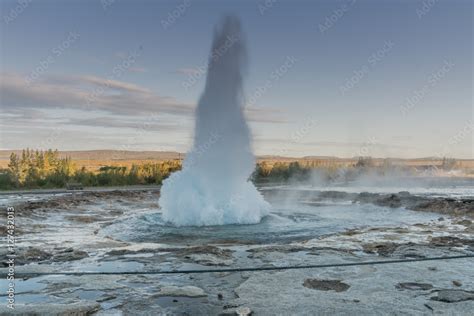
x=248 y=269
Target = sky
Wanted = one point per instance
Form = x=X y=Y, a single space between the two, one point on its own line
x=324 y=78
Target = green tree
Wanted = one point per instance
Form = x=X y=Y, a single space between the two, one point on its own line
x=14 y=168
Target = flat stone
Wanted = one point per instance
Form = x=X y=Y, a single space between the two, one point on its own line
x=453 y=296
x=184 y=291
x=414 y=286
x=326 y=285
x=457 y=283
x=70 y=255
x=209 y=260
x=74 y=309
x=243 y=311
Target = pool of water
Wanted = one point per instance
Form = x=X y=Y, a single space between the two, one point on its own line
x=289 y=221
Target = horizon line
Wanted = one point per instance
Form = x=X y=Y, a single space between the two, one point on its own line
x=260 y=156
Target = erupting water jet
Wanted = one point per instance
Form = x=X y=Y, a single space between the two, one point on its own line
x=213 y=187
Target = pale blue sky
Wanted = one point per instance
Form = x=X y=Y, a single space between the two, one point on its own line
x=380 y=78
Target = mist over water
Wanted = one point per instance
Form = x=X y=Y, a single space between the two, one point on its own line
x=213 y=186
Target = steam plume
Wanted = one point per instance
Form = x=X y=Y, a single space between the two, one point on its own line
x=213 y=186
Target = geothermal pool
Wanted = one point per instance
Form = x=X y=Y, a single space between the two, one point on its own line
x=290 y=220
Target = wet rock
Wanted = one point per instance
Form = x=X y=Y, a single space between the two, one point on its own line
x=464 y=222
x=392 y=201
x=72 y=309
x=382 y=249
x=4 y=230
x=366 y=197
x=334 y=195
x=124 y=250
x=87 y=283
x=401 y=230
x=69 y=255
x=235 y=310
x=115 y=213
x=243 y=311
x=278 y=248
x=414 y=286
x=453 y=296
x=209 y=260
x=206 y=255
x=428 y=306
x=86 y=219
x=106 y=298
x=412 y=251
x=326 y=285
x=457 y=283
x=30 y=255
x=121 y=252
x=462 y=207
x=351 y=232
x=232 y=305
x=71 y=201
x=185 y=291
x=451 y=241
x=206 y=250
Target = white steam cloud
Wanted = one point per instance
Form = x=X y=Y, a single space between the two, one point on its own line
x=213 y=188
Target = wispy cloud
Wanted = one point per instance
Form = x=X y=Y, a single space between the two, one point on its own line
x=127 y=123
x=122 y=105
x=112 y=84
x=74 y=92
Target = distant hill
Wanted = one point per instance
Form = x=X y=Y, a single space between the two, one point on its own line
x=97 y=158
x=108 y=155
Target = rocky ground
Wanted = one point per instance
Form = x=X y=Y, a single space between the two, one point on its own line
x=68 y=232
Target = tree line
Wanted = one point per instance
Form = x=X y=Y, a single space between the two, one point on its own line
x=46 y=169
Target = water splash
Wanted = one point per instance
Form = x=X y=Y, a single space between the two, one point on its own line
x=213 y=186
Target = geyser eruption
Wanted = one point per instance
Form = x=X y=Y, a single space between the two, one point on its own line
x=213 y=186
